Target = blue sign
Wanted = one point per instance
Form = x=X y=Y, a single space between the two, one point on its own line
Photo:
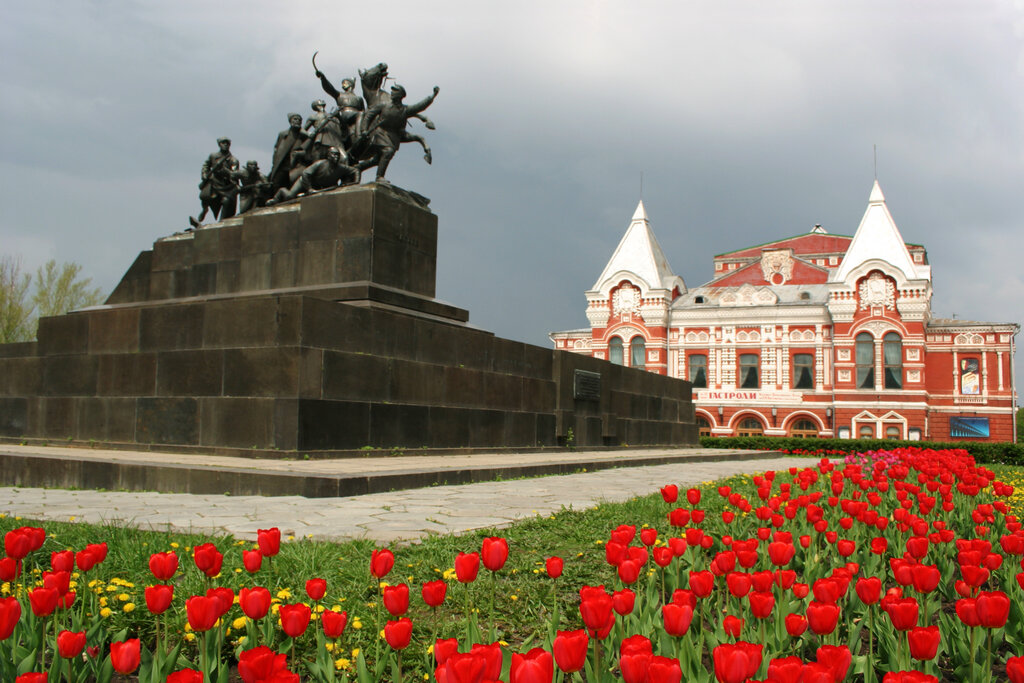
x=968 y=427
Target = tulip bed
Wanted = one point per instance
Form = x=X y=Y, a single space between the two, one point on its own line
x=887 y=566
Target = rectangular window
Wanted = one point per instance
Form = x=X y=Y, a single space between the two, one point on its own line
x=749 y=377
x=698 y=370
x=803 y=371
x=970 y=379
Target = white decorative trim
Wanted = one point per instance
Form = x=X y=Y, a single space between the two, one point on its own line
x=913 y=375
x=777 y=262
x=843 y=354
x=913 y=354
x=877 y=290
x=844 y=375
x=626 y=299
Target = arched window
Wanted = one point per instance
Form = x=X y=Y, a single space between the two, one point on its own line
x=865 y=361
x=750 y=426
x=804 y=429
x=699 y=370
x=866 y=431
x=803 y=371
x=615 y=350
x=637 y=352
x=703 y=426
x=893 y=432
x=892 y=352
x=749 y=378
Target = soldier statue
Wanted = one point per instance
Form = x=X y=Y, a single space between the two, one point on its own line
x=289 y=154
x=254 y=187
x=320 y=175
x=386 y=122
x=218 y=189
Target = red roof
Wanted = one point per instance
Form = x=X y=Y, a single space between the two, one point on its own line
x=809 y=243
x=803 y=274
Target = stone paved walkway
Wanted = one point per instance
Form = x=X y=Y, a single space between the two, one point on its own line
x=398 y=515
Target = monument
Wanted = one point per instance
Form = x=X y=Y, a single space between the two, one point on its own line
x=311 y=326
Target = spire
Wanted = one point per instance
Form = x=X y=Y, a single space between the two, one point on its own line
x=878 y=238
x=640 y=254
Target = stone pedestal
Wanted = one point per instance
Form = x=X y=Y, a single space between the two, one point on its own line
x=312 y=327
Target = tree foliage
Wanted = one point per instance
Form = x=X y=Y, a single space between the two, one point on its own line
x=24 y=299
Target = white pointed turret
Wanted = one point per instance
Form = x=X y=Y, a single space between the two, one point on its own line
x=878 y=239
x=640 y=254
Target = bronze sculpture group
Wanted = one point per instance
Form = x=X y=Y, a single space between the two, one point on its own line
x=330 y=149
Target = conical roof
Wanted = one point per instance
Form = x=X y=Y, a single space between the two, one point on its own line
x=877 y=237
x=639 y=253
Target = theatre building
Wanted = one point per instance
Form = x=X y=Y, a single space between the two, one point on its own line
x=817 y=335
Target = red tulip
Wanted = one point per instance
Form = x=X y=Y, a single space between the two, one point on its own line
x=316 y=588
x=924 y=642
x=676 y=618
x=781 y=553
x=466 y=567
x=491 y=654
x=202 y=612
x=252 y=560
x=494 y=553
x=903 y=613
x=97 y=550
x=10 y=613
x=633 y=666
x=628 y=571
x=761 y=604
x=693 y=496
x=86 y=559
x=623 y=601
x=993 y=608
x=796 y=624
x=737 y=662
x=396 y=599
x=648 y=536
x=732 y=625
x=334 y=623
x=70 y=644
x=159 y=597
x=908 y=677
x=260 y=663
x=670 y=493
x=738 y=583
x=596 y=609
x=879 y=545
x=269 y=541
x=570 y=650
x=822 y=617
x=925 y=577
x=294 y=619
x=225 y=598
x=185 y=676
x=623 y=533
x=1015 y=669
x=536 y=666
x=62 y=561
x=664 y=670
x=444 y=648
x=398 y=633
x=554 y=566
x=868 y=589
x=967 y=610
x=59 y=580
x=10 y=568
x=785 y=670
x=837 y=659
x=17 y=543
x=125 y=656
x=208 y=559
x=433 y=592
x=462 y=667
x=702 y=583
x=31 y=677
x=845 y=547
x=254 y=602
x=381 y=562
x=163 y=565
x=43 y=601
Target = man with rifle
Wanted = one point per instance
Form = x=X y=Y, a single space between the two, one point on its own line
x=218 y=188
x=255 y=187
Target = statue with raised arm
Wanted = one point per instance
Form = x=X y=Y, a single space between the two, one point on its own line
x=349 y=114
x=386 y=122
x=218 y=188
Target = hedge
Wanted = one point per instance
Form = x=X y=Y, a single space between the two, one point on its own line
x=1002 y=452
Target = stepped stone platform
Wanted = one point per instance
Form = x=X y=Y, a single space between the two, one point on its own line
x=312 y=328
x=81 y=468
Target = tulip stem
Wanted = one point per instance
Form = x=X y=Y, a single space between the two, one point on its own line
x=494 y=588
x=869 y=671
x=973 y=654
x=989 y=650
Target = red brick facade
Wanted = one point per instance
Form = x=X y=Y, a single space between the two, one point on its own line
x=813 y=335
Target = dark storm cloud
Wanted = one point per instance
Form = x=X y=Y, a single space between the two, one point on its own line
x=749 y=120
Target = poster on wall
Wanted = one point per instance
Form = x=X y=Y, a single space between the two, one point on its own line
x=970 y=384
x=968 y=427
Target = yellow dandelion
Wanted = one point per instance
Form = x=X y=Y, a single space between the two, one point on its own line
x=128 y=607
x=106 y=612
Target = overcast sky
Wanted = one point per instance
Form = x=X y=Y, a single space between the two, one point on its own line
x=750 y=121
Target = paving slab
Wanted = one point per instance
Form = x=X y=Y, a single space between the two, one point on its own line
x=383 y=517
